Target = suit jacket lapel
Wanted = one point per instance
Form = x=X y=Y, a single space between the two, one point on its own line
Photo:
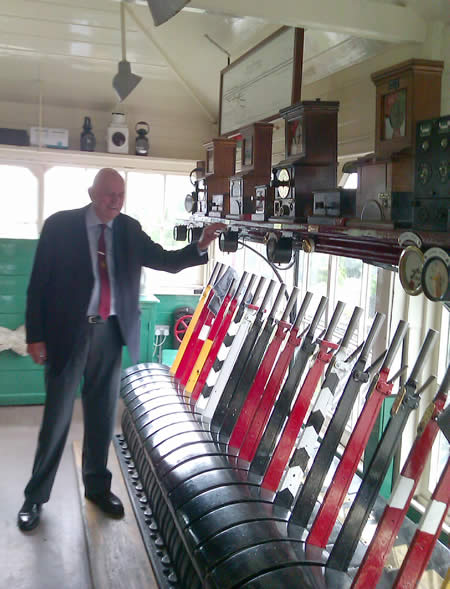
x=82 y=241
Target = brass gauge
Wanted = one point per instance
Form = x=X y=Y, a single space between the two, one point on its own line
x=443 y=171
x=435 y=275
x=410 y=270
x=425 y=129
x=283 y=182
x=425 y=172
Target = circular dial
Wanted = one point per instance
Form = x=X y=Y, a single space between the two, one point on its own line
x=443 y=171
x=425 y=172
x=118 y=138
x=190 y=202
x=410 y=270
x=435 y=279
x=284 y=181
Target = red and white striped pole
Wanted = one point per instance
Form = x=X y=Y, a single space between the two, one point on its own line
x=427 y=533
x=388 y=527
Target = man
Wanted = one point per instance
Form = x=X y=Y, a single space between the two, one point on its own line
x=82 y=307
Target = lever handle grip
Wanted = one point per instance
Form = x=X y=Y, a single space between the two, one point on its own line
x=215 y=273
x=278 y=299
x=354 y=320
x=290 y=304
x=267 y=295
x=318 y=314
x=399 y=335
x=248 y=290
x=445 y=384
x=303 y=308
x=427 y=346
x=376 y=324
x=334 y=321
x=241 y=285
x=258 y=290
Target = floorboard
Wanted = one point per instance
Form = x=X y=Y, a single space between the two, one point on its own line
x=117 y=555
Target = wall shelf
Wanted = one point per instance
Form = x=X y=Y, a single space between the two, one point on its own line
x=370 y=244
x=49 y=157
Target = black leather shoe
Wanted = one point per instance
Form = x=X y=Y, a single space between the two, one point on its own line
x=107 y=502
x=29 y=516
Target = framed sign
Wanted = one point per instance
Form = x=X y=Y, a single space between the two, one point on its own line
x=261 y=82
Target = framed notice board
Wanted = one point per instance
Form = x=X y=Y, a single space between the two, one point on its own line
x=262 y=81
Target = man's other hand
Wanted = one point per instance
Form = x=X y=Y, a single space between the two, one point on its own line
x=38 y=351
x=209 y=234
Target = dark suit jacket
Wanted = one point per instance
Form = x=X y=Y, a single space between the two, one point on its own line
x=61 y=281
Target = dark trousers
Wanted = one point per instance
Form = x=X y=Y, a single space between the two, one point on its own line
x=96 y=360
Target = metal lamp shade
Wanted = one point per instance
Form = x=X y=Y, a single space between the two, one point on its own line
x=124 y=82
x=162 y=10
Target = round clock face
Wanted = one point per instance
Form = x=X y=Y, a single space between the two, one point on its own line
x=118 y=138
x=284 y=179
x=410 y=270
x=435 y=279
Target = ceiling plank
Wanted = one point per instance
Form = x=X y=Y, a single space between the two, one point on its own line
x=361 y=18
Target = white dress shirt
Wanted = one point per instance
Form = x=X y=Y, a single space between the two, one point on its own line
x=93 y=227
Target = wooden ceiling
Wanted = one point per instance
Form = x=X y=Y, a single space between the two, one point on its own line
x=67 y=50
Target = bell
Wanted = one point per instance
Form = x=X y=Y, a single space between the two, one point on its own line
x=142 y=142
x=162 y=10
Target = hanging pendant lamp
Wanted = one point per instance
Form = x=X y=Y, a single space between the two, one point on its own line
x=124 y=82
x=162 y=10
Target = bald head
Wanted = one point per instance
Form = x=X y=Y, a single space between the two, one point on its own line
x=107 y=194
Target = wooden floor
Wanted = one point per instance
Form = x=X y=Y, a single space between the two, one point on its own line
x=55 y=555
x=117 y=556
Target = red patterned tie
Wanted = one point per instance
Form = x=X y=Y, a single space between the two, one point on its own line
x=105 y=288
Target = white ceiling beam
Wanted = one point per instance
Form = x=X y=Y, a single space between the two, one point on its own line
x=359 y=18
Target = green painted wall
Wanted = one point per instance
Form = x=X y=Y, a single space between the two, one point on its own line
x=375 y=436
x=164 y=312
x=22 y=381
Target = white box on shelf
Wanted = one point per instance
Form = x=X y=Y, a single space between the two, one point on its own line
x=49 y=137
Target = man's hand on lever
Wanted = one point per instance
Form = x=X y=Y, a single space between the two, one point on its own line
x=209 y=234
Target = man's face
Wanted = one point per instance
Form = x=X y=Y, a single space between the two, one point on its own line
x=107 y=196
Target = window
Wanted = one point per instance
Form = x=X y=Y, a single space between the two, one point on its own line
x=66 y=188
x=19 y=218
x=349 y=181
x=157 y=201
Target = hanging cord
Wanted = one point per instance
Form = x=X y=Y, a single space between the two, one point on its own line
x=122 y=30
x=274 y=268
x=192 y=172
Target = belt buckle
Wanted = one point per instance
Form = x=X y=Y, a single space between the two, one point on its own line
x=92 y=319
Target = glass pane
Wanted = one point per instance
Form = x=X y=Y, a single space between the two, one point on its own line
x=20 y=204
x=348 y=287
x=177 y=187
x=318 y=274
x=351 y=181
x=66 y=188
x=145 y=202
